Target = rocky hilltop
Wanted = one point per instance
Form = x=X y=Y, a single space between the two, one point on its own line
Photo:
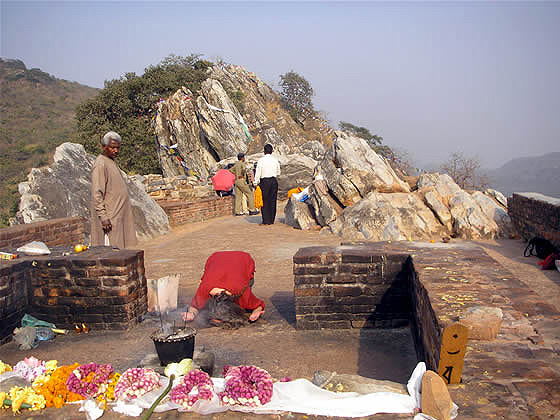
x=233 y=112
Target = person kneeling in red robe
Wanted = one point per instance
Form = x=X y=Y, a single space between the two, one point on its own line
x=228 y=275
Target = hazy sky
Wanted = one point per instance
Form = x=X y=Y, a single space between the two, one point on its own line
x=432 y=78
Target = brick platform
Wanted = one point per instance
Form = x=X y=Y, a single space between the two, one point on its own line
x=521 y=365
x=101 y=287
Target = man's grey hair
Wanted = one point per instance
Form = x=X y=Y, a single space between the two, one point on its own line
x=111 y=135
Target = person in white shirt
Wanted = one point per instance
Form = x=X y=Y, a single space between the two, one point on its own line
x=268 y=169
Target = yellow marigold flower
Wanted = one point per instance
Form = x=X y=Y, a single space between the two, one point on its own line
x=17 y=396
x=37 y=402
x=4 y=367
x=51 y=365
x=3 y=397
x=40 y=380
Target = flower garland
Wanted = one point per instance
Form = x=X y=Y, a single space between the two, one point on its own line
x=195 y=385
x=55 y=391
x=246 y=385
x=4 y=367
x=135 y=382
x=19 y=397
x=89 y=380
x=109 y=394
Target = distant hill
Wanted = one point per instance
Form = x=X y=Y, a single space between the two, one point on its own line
x=36 y=115
x=529 y=174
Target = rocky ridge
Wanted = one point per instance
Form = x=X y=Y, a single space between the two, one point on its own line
x=207 y=127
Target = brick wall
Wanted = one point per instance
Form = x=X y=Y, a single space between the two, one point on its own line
x=14 y=296
x=535 y=215
x=360 y=285
x=181 y=212
x=350 y=287
x=56 y=232
x=101 y=287
x=426 y=329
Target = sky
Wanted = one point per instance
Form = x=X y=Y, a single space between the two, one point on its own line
x=431 y=78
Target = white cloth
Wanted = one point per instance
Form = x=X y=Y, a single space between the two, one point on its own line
x=302 y=396
x=267 y=167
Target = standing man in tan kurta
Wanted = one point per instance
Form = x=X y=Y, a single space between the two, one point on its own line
x=242 y=188
x=111 y=214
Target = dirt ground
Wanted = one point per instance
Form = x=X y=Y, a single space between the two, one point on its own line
x=272 y=343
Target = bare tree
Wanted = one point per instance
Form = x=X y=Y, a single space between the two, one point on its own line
x=465 y=171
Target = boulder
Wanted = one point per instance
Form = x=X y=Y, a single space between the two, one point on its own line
x=434 y=202
x=442 y=184
x=233 y=112
x=436 y=401
x=295 y=171
x=219 y=121
x=497 y=196
x=495 y=212
x=469 y=221
x=313 y=149
x=268 y=121
x=325 y=208
x=483 y=322
x=63 y=189
x=298 y=214
x=382 y=217
x=352 y=170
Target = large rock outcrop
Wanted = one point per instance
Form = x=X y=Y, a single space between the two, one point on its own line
x=352 y=170
x=208 y=126
x=471 y=216
x=176 y=124
x=63 y=189
x=439 y=207
x=397 y=216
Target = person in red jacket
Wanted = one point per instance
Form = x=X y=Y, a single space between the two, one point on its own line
x=229 y=272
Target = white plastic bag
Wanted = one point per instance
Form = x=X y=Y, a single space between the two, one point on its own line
x=34 y=248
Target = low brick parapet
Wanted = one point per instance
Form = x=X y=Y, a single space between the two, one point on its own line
x=102 y=287
x=181 y=212
x=56 y=232
x=534 y=214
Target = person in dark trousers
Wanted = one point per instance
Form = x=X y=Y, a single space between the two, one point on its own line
x=268 y=170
